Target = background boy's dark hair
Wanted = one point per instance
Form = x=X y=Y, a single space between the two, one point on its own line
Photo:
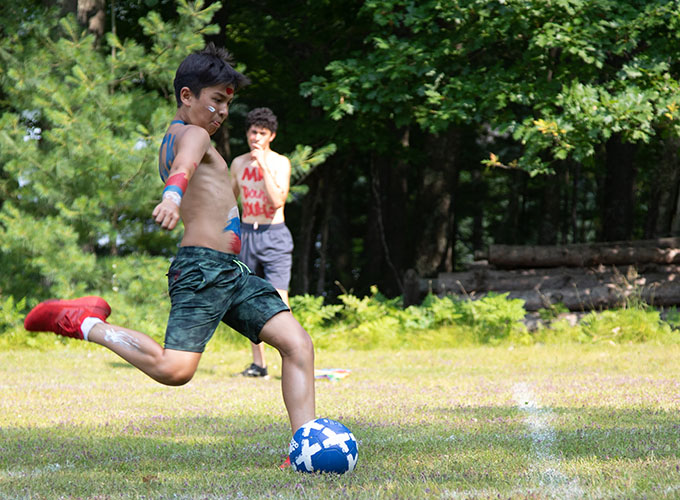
x=205 y=68
x=262 y=117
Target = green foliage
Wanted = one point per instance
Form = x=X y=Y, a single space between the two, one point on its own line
x=136 y=288
x=137 y=278
x=79 y=140
x=562 y=77
x=303 y=161
x=631 y=324
x=157 y=67
x=312 y=313
x=495 y=317
x=43 y=256
x=552 y=311
x=94 y=121
x=443 y=310
x=375 y=321
x=625 y=325
x=11 y=313
x=78 y=145
x=673 y=317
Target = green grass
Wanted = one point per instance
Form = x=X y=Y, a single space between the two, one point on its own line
x=555 y=421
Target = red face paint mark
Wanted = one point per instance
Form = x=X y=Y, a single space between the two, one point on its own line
x=230 y=91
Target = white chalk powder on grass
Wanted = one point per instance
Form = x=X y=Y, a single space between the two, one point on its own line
x=546 y=466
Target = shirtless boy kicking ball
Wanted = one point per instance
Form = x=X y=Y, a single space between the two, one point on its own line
x=206 y=281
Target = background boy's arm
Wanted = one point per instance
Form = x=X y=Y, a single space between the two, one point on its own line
x=276 y=179
x=191 y=148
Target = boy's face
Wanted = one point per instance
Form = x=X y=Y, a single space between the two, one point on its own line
x=210 y=108
x=259 y=137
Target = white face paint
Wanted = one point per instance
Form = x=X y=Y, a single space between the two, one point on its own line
x=122 y=338
x=211 y=109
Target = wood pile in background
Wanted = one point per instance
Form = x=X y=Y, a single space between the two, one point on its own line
x=581 y=277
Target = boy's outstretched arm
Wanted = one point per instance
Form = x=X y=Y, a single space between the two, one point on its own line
x=191 y=149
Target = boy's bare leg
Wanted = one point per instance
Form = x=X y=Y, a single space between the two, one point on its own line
x=258 y=354
x=297 y=366
x=284 y=296
x=258 y=349
x=167 y=366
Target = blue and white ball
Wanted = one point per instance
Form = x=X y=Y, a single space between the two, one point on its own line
x=323 y=445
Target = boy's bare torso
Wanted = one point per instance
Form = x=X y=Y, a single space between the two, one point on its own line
x=208 y=210
x=255 y=204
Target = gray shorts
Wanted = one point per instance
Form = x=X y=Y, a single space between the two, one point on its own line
x=268 y=252
x=206 y=287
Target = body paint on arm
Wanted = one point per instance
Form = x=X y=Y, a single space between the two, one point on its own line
x=122 y=338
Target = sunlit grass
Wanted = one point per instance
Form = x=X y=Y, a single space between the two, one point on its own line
x=563 y=421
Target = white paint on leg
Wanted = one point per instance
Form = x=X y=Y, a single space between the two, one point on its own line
x=121 y=337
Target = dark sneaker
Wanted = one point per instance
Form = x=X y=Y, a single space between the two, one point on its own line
x=64 y=317
x=255 y=371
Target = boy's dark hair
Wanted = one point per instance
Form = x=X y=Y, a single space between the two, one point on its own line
x=262 y=117
x=205 y=68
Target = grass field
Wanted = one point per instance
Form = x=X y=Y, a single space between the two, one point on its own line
x=567 y=421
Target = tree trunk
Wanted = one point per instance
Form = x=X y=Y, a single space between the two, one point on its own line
x=619 y=190
x=479 y=188
x=517 y=187
x=385 y=213
x=372 y=271
x=305 y=242
x=394 y=183
x=92 y=13
x=598 y=298
x=437 y=214
x=556 y=278
x=325 y=231
x=67 y=6
x=661 y=251
x=573 y=208
x=579 y=289
x=675 y=220
x=664 y=192
x=551 y=206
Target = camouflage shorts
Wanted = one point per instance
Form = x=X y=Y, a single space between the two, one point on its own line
x=206 y=287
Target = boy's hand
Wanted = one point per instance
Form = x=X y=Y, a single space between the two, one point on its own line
x=257 y=157
x=166 y=214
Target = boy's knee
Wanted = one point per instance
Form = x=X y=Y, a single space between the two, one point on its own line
x=176 y=379
x=302 y=344
x=173 y=375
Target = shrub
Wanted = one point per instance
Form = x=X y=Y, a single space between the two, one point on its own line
x=136 y=288
x=625 y=325
x=495 y=318
x=312 y=314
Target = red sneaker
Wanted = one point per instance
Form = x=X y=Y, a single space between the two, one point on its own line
x=285 y=464
x=64 y=317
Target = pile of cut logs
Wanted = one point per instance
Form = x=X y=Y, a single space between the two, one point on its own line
x=582 y=277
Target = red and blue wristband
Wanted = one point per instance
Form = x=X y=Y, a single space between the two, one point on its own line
x=175 y=188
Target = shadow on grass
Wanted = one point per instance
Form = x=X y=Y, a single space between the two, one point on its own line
x=483 y=448
x=119 y=364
